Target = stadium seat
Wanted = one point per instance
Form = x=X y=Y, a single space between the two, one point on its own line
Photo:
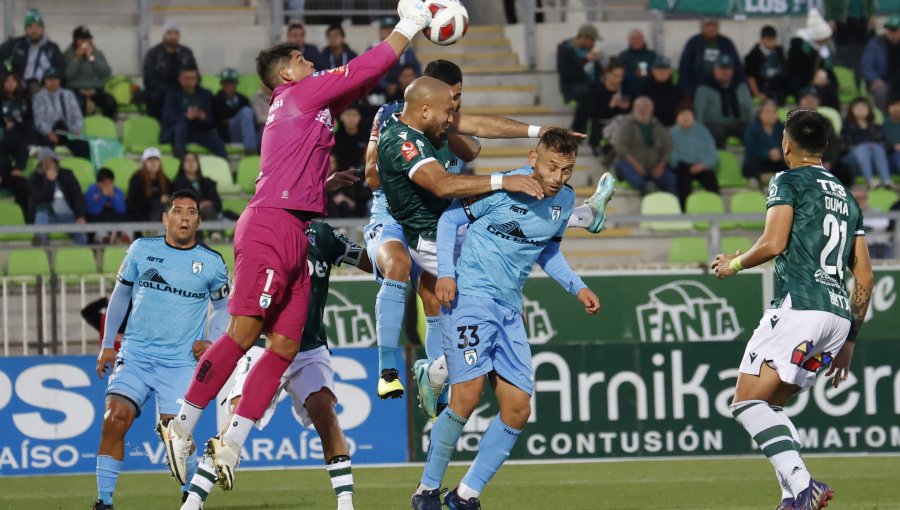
x=248 y=170
x=783 y=112
x=120 y=88
x=197 y=149
x=30 y=167
x=749 y=202
x=235 y=205
x=688 y=250
x=834 y=116
x=112 y=259
x=100 y=126
x=211 y=83
x=883 y=199
x=227 y=252
x=83 y=170
x=219 y=170
x=170 y=165
x=140 y=132
x=123 y=169
x=706 y=202
x=732 y=244
x=734 y=141
x=75 y=261
x=11 y=214
x=248 y=84
x=661 y=202
x=28 y=262
x=879 y=116
x=846 y=81
x=729 y=174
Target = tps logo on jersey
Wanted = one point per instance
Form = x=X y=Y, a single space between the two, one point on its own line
x=197 y=267
x=347 y=324
x=537 y=322
x=556 y=212
x=686 y=311
x=409 y=151
x=265 y=300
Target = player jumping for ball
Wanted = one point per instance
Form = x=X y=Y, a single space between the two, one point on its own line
x=814 y=231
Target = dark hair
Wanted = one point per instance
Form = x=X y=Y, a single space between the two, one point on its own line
x=684 y=105
x=295 y=25
x=444 y=70
x=105 y=174
x=768 y=32
x=189 y=68
x=849 y=118
x=614 y=63
x=181 y=165
x=161 y=179
x=807 y=129
x=270 y=60
x=21 y=92
x=336 y=26
x=559 y=141
x=182 y=193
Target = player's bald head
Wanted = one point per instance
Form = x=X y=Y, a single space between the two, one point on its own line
x=427 y=90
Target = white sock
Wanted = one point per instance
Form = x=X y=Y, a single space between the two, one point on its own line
x=438 y=374
x=581 y=217
x=239 y=430
x=774 y=439
x=202 y=482
x=423 y=488
x=341 y=478
x=466 y=492
x=188 y=416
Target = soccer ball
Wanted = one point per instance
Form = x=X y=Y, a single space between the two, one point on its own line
x=449 y=21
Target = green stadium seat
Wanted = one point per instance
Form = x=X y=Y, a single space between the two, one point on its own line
x=879 y=116
x=834 y=116
x=197 y=149
x=729 y=174
x=783 y=113
x=120 y=88
x=28 y=262
x=227 y=252
x=112 y=259
x=30 y=167
x=11 y=214
x=883 y=199
x=661 y=202
x=688 y=250
x=170 y=165
x=83 y=170
x=706 y=202
x=123 y=169
x=100 y=126
x=219 y=170
x=733 y=244
x=248 y=84
x=234 y=148
x=749 y=202
x=235 y=205
x=75 y=261
x=846 y=81
x=248 y=170
x=210 y=82
x=140 y=132
x=734 y=141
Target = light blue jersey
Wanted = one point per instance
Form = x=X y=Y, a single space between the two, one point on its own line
x=172 y=289
x=507 y=234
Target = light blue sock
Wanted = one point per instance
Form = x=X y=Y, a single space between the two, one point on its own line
x=444 y=435
x=192 y=463
x=389 y=307
x=433 y=348
x=492 y=453
x=107 y=474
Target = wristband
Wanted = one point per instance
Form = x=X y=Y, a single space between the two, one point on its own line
x=534 y=131
x=407 y=27
x=496 y=182
x=735 y=264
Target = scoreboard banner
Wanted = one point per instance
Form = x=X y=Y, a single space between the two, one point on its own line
x=595 y=401
x=51 y=409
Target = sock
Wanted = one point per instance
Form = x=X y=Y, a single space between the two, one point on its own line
x=192 y=464
x=785 y=488
x=774 y=439
x=239 y=429
x=493 y=451
x=389 y=306
x=203 y=481
x=107 y=474
x=213 y=371
x=582 y=217
x=438 y=373
x=466 y=493
x=433 y=348
x=341 y=476
x=444 y=435
x=260 y=388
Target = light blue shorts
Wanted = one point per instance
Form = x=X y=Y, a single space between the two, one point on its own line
x=135 y=377
x=376 y=234
x=482 y=335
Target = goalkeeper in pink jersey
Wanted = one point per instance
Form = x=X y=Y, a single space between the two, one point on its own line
x=271 y=281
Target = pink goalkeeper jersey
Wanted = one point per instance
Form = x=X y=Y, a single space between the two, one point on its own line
x=298 y=138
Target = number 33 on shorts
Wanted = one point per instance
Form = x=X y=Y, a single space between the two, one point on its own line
x=468 y=337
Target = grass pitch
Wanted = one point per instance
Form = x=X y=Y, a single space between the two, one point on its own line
x=870 y=483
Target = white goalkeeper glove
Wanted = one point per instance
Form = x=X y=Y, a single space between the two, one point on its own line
x=414 y=17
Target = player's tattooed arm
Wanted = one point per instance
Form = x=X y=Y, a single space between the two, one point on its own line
x=466 y=147
x=864 y=281
x=435 y=179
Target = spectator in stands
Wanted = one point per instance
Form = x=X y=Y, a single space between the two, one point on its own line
x=55 y=196
x=188 y=116
x=831 y=158
x=891 y=129
x=390 y=84
x=162 y=68
x=578 y=65
x=864 y=141
x=406 y=76
x=349 y=140
x=694 y=156
x=233 y=113
x=876 y=228
x=638 y=59
x=56 y=112
x=644 y=148
x=765 y=67
x=260 y=105
x=723 y=103
x=881 y=63
x=86 y=72
x=810 y=61
x=762 y=145
x=606 y=102
x=701 y=53
x=852 y=23
x=191 y=177
x=105 y=201
x=14 y=183
x=32 y=54
x=347 y=201
x=148 y=189
x=660 y=89
x=336 y=53
x=296 y=34
x=18 y=135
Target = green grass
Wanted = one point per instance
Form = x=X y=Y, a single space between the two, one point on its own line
x=868 y=483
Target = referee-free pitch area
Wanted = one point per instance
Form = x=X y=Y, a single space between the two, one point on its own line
x=869 y=483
